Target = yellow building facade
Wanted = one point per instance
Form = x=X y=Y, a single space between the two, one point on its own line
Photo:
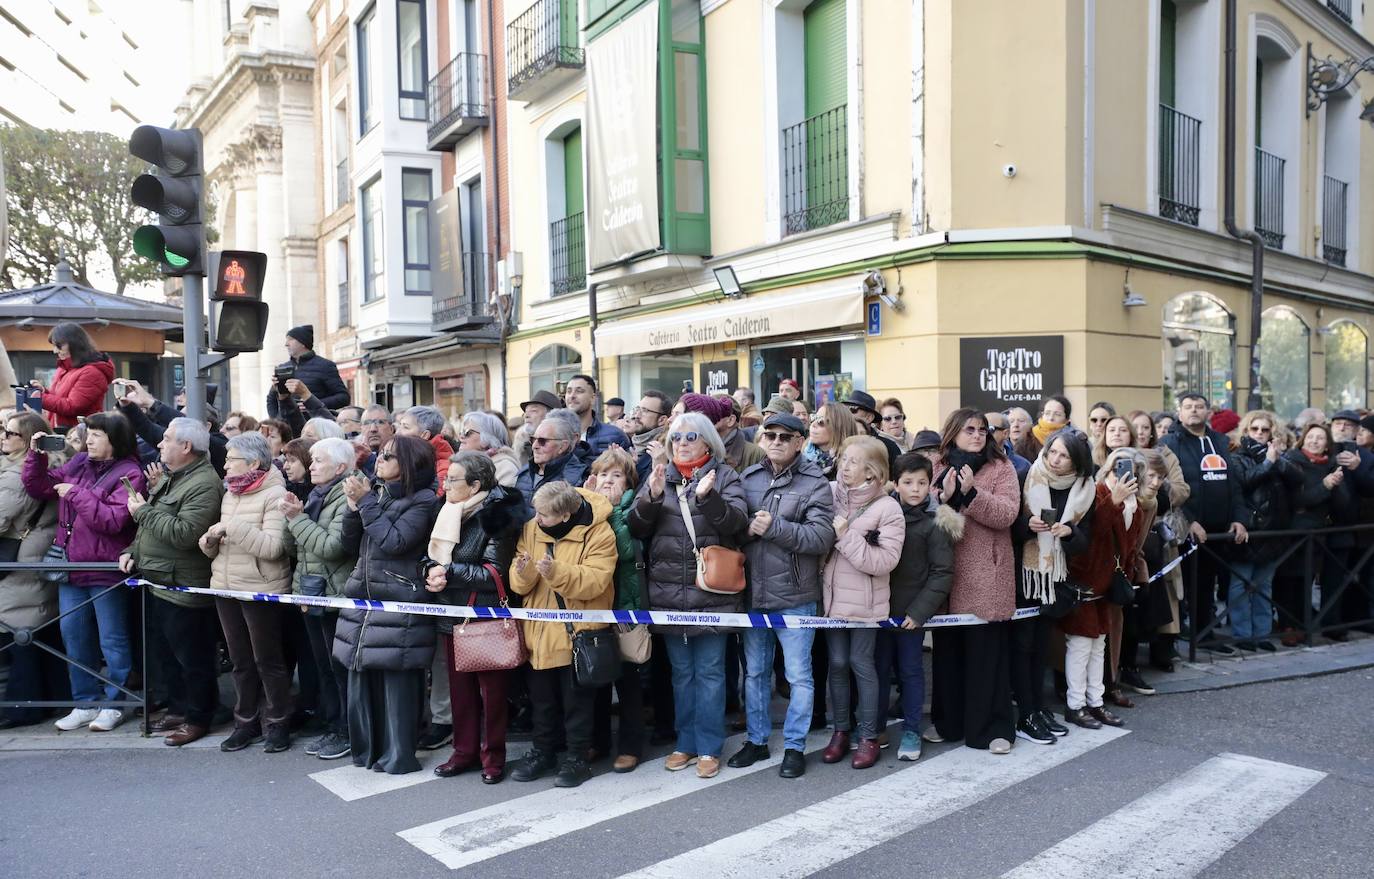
x=952 y=202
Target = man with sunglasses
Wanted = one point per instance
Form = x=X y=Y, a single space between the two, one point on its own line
x=791 y=529
x=553 y=457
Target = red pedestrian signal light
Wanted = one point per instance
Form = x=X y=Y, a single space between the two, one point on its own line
x=238 y=275
x=241 y=324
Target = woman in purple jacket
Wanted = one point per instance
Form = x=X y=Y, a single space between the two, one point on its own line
x=93 y=525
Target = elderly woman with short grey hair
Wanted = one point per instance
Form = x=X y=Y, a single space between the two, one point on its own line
x=317 y=429
x=247 y=554
x=695 y=481
x=484 y=432
x=314 y=536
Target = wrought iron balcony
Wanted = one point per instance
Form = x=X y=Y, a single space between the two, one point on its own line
x=1269 y=197
x=542 y=49
x=567 y=256
x=457 y=100
x=470 y=305
x=1342 y=10
x=1180 y=139
x=1334 y=194
x=815 y=171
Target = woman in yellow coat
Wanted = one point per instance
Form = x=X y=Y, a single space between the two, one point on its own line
x=566 y=551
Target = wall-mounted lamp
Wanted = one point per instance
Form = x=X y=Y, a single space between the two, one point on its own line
x=1327 y=76
x=729 y=284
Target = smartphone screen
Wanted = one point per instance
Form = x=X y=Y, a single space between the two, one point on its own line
x=1049 y=515
x=128 y=486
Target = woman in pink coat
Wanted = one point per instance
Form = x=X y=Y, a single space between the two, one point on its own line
x=979 y=500
x=870 y=530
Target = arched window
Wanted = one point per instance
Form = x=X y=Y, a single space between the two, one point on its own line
x=1199 y=337
x=552 y=366
x=1285 y=361
x=1347 y=366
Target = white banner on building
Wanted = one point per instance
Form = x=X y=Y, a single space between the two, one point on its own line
x=622 y=139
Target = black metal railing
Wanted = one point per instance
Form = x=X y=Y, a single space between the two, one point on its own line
x=41 y=637
x=815 y=171
x=1334 y=194
x=343 y=187
x=1342 y=10
x=567 y=255
x=1269 y=197
x=1180 y=140
x=345 y=303
x=472 y=300
x=459 y=91
x=1324 y=584
x=541 y=38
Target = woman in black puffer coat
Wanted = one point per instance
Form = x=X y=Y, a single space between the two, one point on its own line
x=469 y=553
x=715 y=497
x=386 y=654
x=1264 y=474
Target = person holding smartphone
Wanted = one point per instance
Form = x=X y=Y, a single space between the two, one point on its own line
x=83 y=376
x=93 y=525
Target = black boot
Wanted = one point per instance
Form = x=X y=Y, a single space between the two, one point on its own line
x=535 y=764
x=748 y=755
x=572 y=772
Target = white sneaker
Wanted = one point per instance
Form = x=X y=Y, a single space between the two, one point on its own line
x=77 y=719
x=107 y=719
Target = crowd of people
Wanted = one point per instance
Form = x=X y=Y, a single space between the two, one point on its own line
x=703 y=503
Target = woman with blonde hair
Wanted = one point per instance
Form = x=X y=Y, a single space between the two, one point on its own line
x=870 y=529
x=830 y=427
x=1117 y=433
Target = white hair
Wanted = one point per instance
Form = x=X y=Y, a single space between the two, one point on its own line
x=566 y=423
x=188 y=430
x=492 y=430
x=253 y=446
x=336 y=451
x=430 y=419
x=325 y=428
x=695 y=421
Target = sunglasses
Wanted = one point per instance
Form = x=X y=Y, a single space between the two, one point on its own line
x=897 y=417
x=773 y=436
x=690 y=436
x=976 y=431
x=544 y=440
x=1254 y=428
x=1099 y=420
x=818 y=422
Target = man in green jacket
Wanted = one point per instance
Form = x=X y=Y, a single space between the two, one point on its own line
x=182 y=629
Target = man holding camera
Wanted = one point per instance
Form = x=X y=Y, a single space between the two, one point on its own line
x=319 y=376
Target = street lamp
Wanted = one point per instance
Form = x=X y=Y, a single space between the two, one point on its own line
x=729 y=284
x=1327 y=76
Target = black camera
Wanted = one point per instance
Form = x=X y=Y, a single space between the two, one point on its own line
x=282 y=374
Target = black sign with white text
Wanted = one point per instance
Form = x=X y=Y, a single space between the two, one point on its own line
x=999 y=372
x=718 y=377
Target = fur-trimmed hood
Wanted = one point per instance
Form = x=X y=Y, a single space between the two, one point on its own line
x=950 y=522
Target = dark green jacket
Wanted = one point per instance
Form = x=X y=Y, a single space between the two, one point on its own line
x=179 y=511
x=629 y=569
x=318 y=546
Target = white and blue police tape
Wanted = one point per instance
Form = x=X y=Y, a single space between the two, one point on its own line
x=623 y=617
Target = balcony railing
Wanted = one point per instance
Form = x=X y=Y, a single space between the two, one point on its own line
x=815 y=171
x=1342 y=10
x=457 y=100
x=343 y=187
x=1269 y=197
x=470 y=305
x=1180 y=139
x=345 y=303
x=1334 y=194
x=567 y=256
x=540 y=42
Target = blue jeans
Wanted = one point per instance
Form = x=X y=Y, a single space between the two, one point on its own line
x=1251 y=612
x=758 y=681
x=698 y=692
x=100 y=627
x=905 y=648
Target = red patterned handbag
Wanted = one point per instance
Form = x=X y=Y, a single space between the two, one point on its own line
x=489 y=645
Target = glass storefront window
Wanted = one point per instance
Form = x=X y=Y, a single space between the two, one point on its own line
x=1347 y=367
x=1199 y=342
x=552 y=367
x=661 y=372
x=1285 y=361
x=824 y=368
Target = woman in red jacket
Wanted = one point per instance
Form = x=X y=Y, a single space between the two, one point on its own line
x=83 y=376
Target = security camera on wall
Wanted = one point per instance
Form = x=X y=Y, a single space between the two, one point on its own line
x=875 y=285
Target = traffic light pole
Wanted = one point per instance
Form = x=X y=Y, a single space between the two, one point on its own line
x=192 y=305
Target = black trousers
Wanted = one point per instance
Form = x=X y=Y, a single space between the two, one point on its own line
x=333 y=677
x=1211 y=577
x=629 y=690
x=299 y=656
x=182 y=645
x=1354 y=604
x=972 y=697
x=1029 y=645
x=563 y=711
x=661 y=689
x=35 y=675
x=384 y=718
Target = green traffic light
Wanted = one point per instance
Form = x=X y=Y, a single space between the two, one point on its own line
x=173 y=260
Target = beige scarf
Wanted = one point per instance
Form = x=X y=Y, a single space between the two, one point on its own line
x=1043 y=562
x=448 y=528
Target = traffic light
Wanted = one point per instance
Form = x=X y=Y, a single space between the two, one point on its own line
x=242 y=323
x=173 y=192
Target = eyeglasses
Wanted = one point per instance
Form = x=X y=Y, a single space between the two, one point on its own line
x=228 y=458
x=639 y=409
x=1254 y=428
x=10 y=433
x=773 y=436
x=690 y=436
x=975 y=431
x=818 y=422
x=545 y=440
x=898 y=417
x=375 y=422
x=453 y=480
x=1092 y=420
x=467 y=433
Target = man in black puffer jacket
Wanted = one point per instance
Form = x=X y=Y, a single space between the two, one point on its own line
x=1264 y=476
x=321 y=376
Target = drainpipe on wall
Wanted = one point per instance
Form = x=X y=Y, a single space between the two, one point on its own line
x=1256 y=243
x=591 y=323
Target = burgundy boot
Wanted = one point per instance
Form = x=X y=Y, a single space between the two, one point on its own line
x=838 y=747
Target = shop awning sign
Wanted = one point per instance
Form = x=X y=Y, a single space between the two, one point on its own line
x=824 y=307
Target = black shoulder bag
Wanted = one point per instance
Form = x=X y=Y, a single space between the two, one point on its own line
x=595 y=652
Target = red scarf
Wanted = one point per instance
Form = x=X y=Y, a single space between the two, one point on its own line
x=246 y=482
x=688 y=469
x=1319 y=460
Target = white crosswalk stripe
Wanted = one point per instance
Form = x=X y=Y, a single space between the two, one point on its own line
x=351 y=782
x=1160 y=833
x=805 y=841
x=505 y=827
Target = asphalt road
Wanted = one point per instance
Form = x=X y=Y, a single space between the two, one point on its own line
x=1268 y=780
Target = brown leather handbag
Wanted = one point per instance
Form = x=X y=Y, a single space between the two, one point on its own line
x=719 y=569
x=489 y=645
